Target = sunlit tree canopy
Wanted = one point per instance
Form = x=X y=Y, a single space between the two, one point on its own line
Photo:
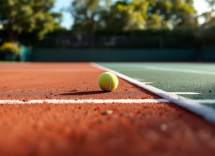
x=20 y=16
x=134 y=15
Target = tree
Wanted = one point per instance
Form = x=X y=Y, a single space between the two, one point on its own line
x=149 y=14
x=210 y=15
x=211 y=3
x=174 y=13
x=86 y=14
x=124 y=16
x=20 y=16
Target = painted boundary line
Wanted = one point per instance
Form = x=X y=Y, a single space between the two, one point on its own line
x=205 y=101
x=183 y=93
x=180 y=70
x=193 y=106
x=126 y=101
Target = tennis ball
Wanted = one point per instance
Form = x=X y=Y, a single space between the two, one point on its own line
x=108 y=81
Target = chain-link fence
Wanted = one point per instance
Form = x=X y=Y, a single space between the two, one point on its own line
x=116 y=42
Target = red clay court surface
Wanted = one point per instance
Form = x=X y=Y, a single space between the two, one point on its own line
x=85 y=129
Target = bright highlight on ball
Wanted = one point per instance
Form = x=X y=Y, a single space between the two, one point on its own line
x=108 y=81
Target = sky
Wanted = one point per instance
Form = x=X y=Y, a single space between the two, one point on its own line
x=200 y=5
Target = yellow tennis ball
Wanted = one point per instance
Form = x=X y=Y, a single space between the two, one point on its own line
x=108 y=81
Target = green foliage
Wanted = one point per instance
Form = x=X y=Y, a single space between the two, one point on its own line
x=125 y=16
x=27 y=16
x=155 y=22
x=85 y=13
x=172 y=14
x=10 y=48
x=133 y=15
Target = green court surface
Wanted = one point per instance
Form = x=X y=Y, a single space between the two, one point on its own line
x=195 y=81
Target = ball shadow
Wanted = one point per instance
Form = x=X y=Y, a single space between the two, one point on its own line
x=84 y=93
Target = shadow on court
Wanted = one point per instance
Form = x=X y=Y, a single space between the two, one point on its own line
x=85 y=93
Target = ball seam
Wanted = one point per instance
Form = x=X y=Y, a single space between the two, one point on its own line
x=110 y=81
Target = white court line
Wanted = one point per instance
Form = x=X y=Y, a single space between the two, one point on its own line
x=189 y=93
x=147 y=82
x=180 y=70
x=193 y=106
x=205 y=101
x=138 y=79
x=132 y=101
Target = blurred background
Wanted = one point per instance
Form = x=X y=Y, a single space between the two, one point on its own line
x=107 y=30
